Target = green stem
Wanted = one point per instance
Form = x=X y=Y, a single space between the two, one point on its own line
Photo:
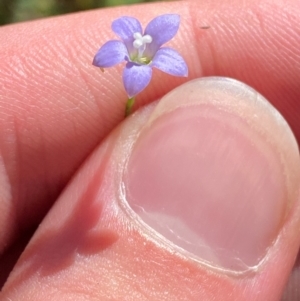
x=129 y=105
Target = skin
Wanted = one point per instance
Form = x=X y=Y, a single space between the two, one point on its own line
x=56 y=109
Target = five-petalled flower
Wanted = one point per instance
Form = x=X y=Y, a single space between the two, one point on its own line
x=142 y=51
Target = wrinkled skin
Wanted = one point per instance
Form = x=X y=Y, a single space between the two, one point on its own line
x=56 y=109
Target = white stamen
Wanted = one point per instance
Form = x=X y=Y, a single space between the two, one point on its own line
x=137 y=36
x=140 y=42
x=147 y=39
x=137 y=43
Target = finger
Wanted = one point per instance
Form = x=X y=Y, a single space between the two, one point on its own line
x=291 y=292
x=194 y=200
x=55 y=107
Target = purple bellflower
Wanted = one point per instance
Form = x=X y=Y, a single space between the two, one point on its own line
x=142 y=51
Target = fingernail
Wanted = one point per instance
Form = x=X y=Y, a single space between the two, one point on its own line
x=211 y=173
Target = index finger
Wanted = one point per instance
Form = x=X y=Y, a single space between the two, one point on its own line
x=56 y=107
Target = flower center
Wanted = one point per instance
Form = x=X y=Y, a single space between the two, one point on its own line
x=139 y=43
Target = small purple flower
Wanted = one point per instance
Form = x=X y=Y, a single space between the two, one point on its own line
x=142 y=51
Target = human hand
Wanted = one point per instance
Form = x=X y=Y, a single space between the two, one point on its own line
x=56 y=110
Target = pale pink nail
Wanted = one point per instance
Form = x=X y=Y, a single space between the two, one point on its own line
x=204 y=175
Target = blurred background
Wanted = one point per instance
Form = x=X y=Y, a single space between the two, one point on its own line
x=12 y=11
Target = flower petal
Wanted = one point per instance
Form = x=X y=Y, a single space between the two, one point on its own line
x=170 y=61
x=125 y=27
x=136 y=78
x=110 y=54
x=162 y=29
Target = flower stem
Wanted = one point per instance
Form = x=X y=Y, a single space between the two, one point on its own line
x=129 y=105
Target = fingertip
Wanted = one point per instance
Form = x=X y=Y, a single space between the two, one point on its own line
x=150 y=197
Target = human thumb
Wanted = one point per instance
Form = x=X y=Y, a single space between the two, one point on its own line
x=195 y=197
